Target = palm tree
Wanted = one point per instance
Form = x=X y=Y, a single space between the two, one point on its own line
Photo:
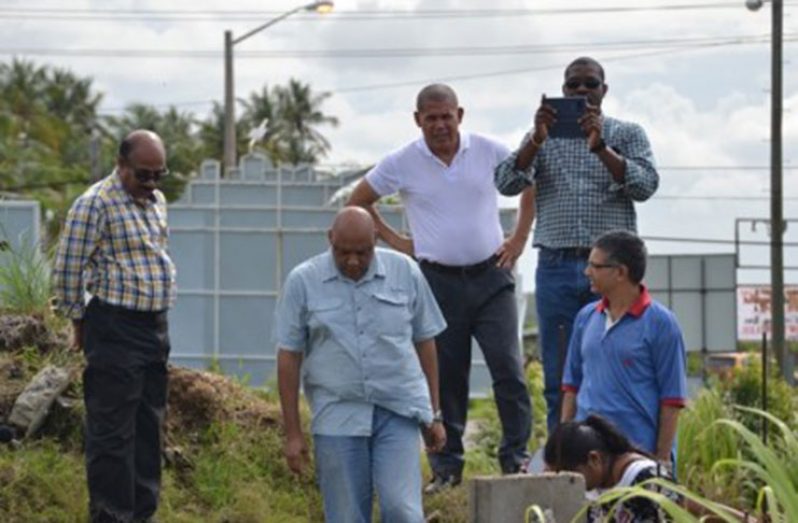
x=298 y=115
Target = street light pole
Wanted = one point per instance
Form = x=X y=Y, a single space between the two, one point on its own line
x=785 y=358
x=230 y=160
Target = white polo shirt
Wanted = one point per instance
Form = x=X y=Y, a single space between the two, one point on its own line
x=452 y=209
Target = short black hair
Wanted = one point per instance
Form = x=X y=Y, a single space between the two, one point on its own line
x=571 y=442
x=625 y=248
x=435 y=93
x=586 y=60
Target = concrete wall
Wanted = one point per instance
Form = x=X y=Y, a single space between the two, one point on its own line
x=506 y=499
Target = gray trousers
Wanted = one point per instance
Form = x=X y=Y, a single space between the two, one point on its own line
x=124 y=387
x=479 y=302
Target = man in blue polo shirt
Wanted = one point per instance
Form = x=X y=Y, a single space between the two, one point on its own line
x=626 y=359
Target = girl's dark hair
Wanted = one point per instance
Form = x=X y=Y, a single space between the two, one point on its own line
x=571 y=442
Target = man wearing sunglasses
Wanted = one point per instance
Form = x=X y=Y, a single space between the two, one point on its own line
x=626 y=360
x=584 y=187
x=114 y=247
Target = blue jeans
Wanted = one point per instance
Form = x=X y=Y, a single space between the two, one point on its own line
x=350 y=468
x=561 y=290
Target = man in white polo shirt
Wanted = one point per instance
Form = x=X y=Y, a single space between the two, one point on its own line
x=445 y=180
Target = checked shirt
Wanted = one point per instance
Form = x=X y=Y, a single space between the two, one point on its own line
x=577 y=199
x=116 y=249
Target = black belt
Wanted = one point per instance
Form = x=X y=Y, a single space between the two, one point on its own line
x=581 y=253
x=475 y=268
x=125 y=311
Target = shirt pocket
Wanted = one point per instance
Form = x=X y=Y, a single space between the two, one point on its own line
x=392 y=314
x=324 y=313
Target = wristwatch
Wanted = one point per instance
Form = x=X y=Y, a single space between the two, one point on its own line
x=437 y=416
x=600 y=146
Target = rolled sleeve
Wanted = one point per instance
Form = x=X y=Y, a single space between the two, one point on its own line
x=670 y=364
x=290 y=318
x=78 y=242
x=427 y=321
x=641 y=179
x=510 y=181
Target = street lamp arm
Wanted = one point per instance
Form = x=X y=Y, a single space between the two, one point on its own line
x=269 y=24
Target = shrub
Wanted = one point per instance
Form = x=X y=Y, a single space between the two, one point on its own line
x=24 y=280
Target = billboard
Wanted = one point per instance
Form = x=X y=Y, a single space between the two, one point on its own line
x=753 y=312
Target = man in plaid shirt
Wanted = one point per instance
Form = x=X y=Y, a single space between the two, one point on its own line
x=584 y=188
x=114 y=247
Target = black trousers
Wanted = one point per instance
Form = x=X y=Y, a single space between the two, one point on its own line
x=480 y=304
x=124 y=387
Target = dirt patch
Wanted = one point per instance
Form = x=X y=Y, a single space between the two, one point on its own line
x=198 y=398
x=17 y=331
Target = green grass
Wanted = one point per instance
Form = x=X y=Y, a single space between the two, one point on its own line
x=24 y=279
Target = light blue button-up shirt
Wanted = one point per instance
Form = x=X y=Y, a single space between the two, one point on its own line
x=358 y=339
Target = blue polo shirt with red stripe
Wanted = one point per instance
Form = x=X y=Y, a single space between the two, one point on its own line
x=625 y=373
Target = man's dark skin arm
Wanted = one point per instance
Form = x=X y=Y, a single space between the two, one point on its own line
x=364 y=196
x=434 y=435
x=295 y=448
x=77 y=334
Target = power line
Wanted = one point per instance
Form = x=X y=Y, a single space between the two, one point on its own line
x=673 y=43
x=180 y=15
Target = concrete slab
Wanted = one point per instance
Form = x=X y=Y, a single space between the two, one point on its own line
x=506 y=499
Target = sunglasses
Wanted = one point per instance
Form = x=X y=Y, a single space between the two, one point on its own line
x=602 y=265
x=590 y=83
x=146 y=175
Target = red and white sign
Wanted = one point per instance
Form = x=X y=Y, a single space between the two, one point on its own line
x=753 y=312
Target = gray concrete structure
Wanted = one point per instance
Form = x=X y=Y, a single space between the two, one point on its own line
x=507 y=499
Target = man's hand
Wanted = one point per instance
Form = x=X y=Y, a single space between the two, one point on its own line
x=434 y=437
x=295 y=450
x=591 y=123
x=545 y=117
x=77 y=335
x=509 y=252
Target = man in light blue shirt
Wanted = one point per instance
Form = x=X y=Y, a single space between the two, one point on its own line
x=360 y=323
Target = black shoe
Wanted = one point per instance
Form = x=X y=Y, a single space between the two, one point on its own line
x=519 y=467
x=440 y=483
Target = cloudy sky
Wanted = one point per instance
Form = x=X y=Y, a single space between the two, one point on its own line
x=695 y=74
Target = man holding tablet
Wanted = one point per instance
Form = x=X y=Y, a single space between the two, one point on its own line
x=586 y=184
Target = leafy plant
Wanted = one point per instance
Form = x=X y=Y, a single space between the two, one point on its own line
x=24 y=279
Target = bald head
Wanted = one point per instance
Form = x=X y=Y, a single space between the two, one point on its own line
x=141 y=163
x=140 y=138
x=353 y=222
x=352 y=239
x=440 y=93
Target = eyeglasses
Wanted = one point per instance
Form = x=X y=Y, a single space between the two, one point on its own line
x=146 y=175
x=593 y=265
x=590 y=83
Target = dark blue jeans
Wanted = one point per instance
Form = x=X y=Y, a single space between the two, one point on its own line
x=124 y=388
x=481 y=305
x=561 y=290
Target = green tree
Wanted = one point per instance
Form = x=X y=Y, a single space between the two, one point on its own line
x=298 y=116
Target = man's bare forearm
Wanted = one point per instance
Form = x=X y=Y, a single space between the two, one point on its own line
x=364 y=196
x=526 y=214
x=428 y=357
x=288 y=367
x=568 y=411
x=668 y=423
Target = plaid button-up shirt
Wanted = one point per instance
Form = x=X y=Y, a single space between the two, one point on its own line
x=116 y=249
x=577 y=199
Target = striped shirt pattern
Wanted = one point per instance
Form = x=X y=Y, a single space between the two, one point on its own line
x=577 y=199
x=116 y=249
